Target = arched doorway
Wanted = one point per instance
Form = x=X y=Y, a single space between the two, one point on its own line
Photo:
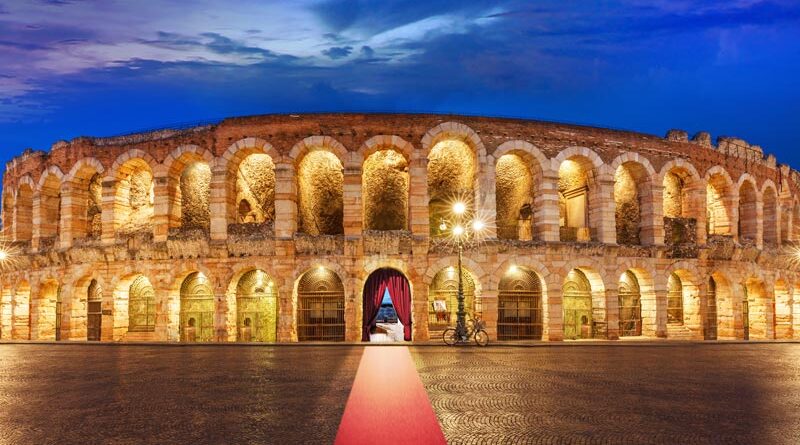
x=577 y=300
x=256 y=308
x=630 y=306
x=94 y=312
x=320 y=306
x=519 y=306
x=674 y=299
x=141 y=305
x=391 y=316
x=197 y=309
x=711 y=310
x=443 y=299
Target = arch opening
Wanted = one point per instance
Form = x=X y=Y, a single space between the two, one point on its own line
x=94 y=311
x=574 y=187
x=321 y=194
x=710 y=332
x=443 y=299
x=320 y=306
x=385 y=191
x=630 y=190
x=630 y=305
x=50 y=209
x=23 y=214
x=255 y=190
x=770 y=219
x=387 y=307
x=718 y=213
x=8 y=214
x=783 y=311
x=520 y=294
x=256 y=308
x=748 y=217
x=514 y=192
x=674 y=299
x=452 y=172
x=576 y=294
x=141 y=305
x=85 y=213
x=21 y=312
x=680 y=207
x=134 y=198
x=197 y=309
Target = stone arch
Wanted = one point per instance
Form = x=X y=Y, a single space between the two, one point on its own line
x=48 y=193
x=748 y=198
x=521 y=304
x=783 y=324
x=197 y=312
x=320 y=185
x=385 y=183
x=86 y=305
x=250 y=170
x=443 y=302
x=719 y=202
x=683 y=202
x=253 y=300
x=729 y=307
x=85 y=183
x=189 y=187
x=8 y=213
x=639 y=278
x=519 y=174
x=23 y=210
x=584 y=304
x=134 y=192
x=46 y=310
x=633 y=199
x=320 y=307
x=135 y=306
x=684 y=306
x=456 y=131
x=759 y=311
x=771 y=215
x=580 y=199
x=21 y=311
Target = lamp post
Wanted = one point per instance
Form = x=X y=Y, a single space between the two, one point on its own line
x=460 y=233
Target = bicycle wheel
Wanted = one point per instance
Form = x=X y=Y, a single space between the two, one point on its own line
x=450 y=338
x=481 y=338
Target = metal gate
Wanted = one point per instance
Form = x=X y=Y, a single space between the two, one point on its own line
x=711 y=310
x=519 y=306
x=94 y=313
x=256 y=308
x=674 y=300
x=197 y=309
x=141 y=306
x=320 y=311
x=577 y=301
x=58 y=313
x=630 y=306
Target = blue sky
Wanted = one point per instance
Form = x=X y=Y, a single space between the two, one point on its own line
x=70 y=67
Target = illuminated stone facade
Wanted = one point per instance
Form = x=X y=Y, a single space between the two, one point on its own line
x=266 y=228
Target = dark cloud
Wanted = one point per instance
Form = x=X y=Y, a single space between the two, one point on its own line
x=338 y=52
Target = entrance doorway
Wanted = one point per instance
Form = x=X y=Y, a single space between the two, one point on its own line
x=577 y=301
x=94 y=312
x=387 y=307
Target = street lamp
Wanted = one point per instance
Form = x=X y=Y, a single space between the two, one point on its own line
x=461 y=232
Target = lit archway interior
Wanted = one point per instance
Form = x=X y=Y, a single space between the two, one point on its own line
x=748 y=218
x=770 y=218
x=50 y=205
x=141 y=305
x=718 y=215
x=87 y=195
x=519 y=305
x=320 y=306
x=255 y=190
x=256 y=307
x=630 y=188
x=320 y=185
x=573 y=199
x=783 y=311
x=385 y=191
x=680 y=207
x=195 y=183
x=94 y=311
x=23 y=214
x=8 y=214
x=630 y=305
x=21 y=329
x=514 y=198
x=576 y=294
x=443 y=299
x=197 y=309
x=451 y=177
x=134 y=199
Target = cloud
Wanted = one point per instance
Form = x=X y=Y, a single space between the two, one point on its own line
x=338 y=52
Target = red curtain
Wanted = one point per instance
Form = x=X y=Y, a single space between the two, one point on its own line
x=399 y=291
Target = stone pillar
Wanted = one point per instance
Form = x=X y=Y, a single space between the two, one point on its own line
x=760 y=224
x=161 y=204
x=487 y=202
x=546 y=212
x=489 y=306
x=419 y=311
x=108 y=204
x=554 y=318
x=287 y=328
x=418 y=197
x=353 y=207
x=697 y=210
x=612 y=312
x=660 y=320
x=285 y=201
x=601 y=210
x=652 y=214
x=218 y=203
x=222 y=327
x=36 y=220
x=68 y=212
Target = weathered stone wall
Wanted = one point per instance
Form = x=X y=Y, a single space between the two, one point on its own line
x=195 y=192
x=627 y=212
x=320 y=182
x=255 y=189
x=385 y=189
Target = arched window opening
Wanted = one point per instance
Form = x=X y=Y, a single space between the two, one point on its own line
x=256 y=308
x=514 y=198
x=674 y=300
x=630 y=305
x=50 y=209
x=320 y=306
x=197 y=309
x=255 y=190
x=8 y=214
x=630 y=182
x=770 y=217
x=573 y=200
x=519 y=306
x=190 y=195
x=680 y=218
x=577 y=300
x=23 y=218
x=451 y=177
x=748 y=218
x=321 y=187
x=385 y=191
x=141 y=306
x=134 y=198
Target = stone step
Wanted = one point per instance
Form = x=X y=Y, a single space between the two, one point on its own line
x=140 y=336
x=681 y=332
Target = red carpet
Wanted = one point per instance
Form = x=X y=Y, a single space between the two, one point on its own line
x=388 y=404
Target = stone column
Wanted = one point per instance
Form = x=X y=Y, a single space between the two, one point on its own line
x=285 y=201
x=660 y=291
x=68 y=212
x=489 y=305
x=218 y=203
x=760 y=224
x=612 y=312
x=353 y=207
x=697 y=210
x=652 y=215
x=161 y=208
x=487 y=203
x=36 y=220
x=108 y=204
x=419 y=311
x=546 y=212
x=418 y=197
x=601 y=210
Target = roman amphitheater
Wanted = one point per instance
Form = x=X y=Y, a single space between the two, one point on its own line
x=268 y=228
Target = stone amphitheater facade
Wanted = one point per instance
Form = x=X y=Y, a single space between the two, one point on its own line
x=266 y=228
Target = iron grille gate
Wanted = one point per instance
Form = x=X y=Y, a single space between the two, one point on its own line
x=711 y=311
x=94 y=312
x=520 y=315
x=674 y=300
x=141 y=306
x=443 y=299
x=577 y=301
x=320 y=311
x=630 y=307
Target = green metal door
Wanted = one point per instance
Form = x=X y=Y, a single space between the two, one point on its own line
x=577 y=302
x=197 y=309
x=256 y=308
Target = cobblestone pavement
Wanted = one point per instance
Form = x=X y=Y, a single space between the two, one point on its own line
x=676 y=394
x=631 y=394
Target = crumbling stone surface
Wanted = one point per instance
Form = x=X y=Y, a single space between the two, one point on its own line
x=255 y=189
x=673 y=196
x=320 y=182
x=195 y=189
x=385 y=189
x=627 y=210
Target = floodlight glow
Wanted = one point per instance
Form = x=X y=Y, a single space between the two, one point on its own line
x=478 y=225
x=459 y=208
x=458 y=230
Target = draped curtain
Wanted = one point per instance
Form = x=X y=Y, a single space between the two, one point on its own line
x=400 y=293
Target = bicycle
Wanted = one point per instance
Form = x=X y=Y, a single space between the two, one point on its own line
x=476 y=331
